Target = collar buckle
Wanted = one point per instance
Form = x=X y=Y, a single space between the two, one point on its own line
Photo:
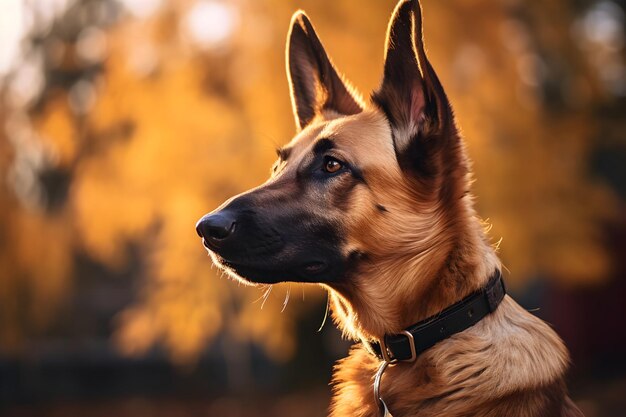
x=409 y=336
x=387 y=353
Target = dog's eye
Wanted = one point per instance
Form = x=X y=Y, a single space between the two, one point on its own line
x=331 y=165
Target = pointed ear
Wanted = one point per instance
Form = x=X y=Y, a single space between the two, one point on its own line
x=410 y=94
x=314 y=83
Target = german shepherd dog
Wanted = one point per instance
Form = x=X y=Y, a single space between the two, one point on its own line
x=372 y=202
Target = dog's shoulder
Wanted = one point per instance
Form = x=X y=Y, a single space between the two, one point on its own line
x=352 y=384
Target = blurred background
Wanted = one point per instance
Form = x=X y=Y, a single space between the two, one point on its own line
x=124 y=121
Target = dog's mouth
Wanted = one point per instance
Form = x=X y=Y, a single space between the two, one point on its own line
x=315 y=267
x=271 y=271
x=207 y=244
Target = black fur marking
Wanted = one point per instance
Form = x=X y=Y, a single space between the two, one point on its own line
x=283 y=153
x=323 y=145
x=419 y=156
x=356 y=255
x=357 y=174
x=353 y=261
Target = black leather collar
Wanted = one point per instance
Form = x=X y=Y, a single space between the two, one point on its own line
x=408 y=345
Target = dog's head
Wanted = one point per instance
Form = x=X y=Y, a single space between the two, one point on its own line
x=360 y=188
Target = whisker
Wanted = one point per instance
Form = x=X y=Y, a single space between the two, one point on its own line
x=267 y=293
x=264 y=289
x=286 y=299
x=325 y=312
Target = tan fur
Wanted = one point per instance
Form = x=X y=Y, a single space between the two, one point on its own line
x=423 y=257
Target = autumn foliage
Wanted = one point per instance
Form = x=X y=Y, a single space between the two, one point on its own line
x=132 y=126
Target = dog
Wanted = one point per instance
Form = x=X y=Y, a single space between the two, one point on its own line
x=372 y=201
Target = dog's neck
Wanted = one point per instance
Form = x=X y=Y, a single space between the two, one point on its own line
x=392 y=293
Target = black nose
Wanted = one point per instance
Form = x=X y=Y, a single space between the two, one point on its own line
x=216 y=227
